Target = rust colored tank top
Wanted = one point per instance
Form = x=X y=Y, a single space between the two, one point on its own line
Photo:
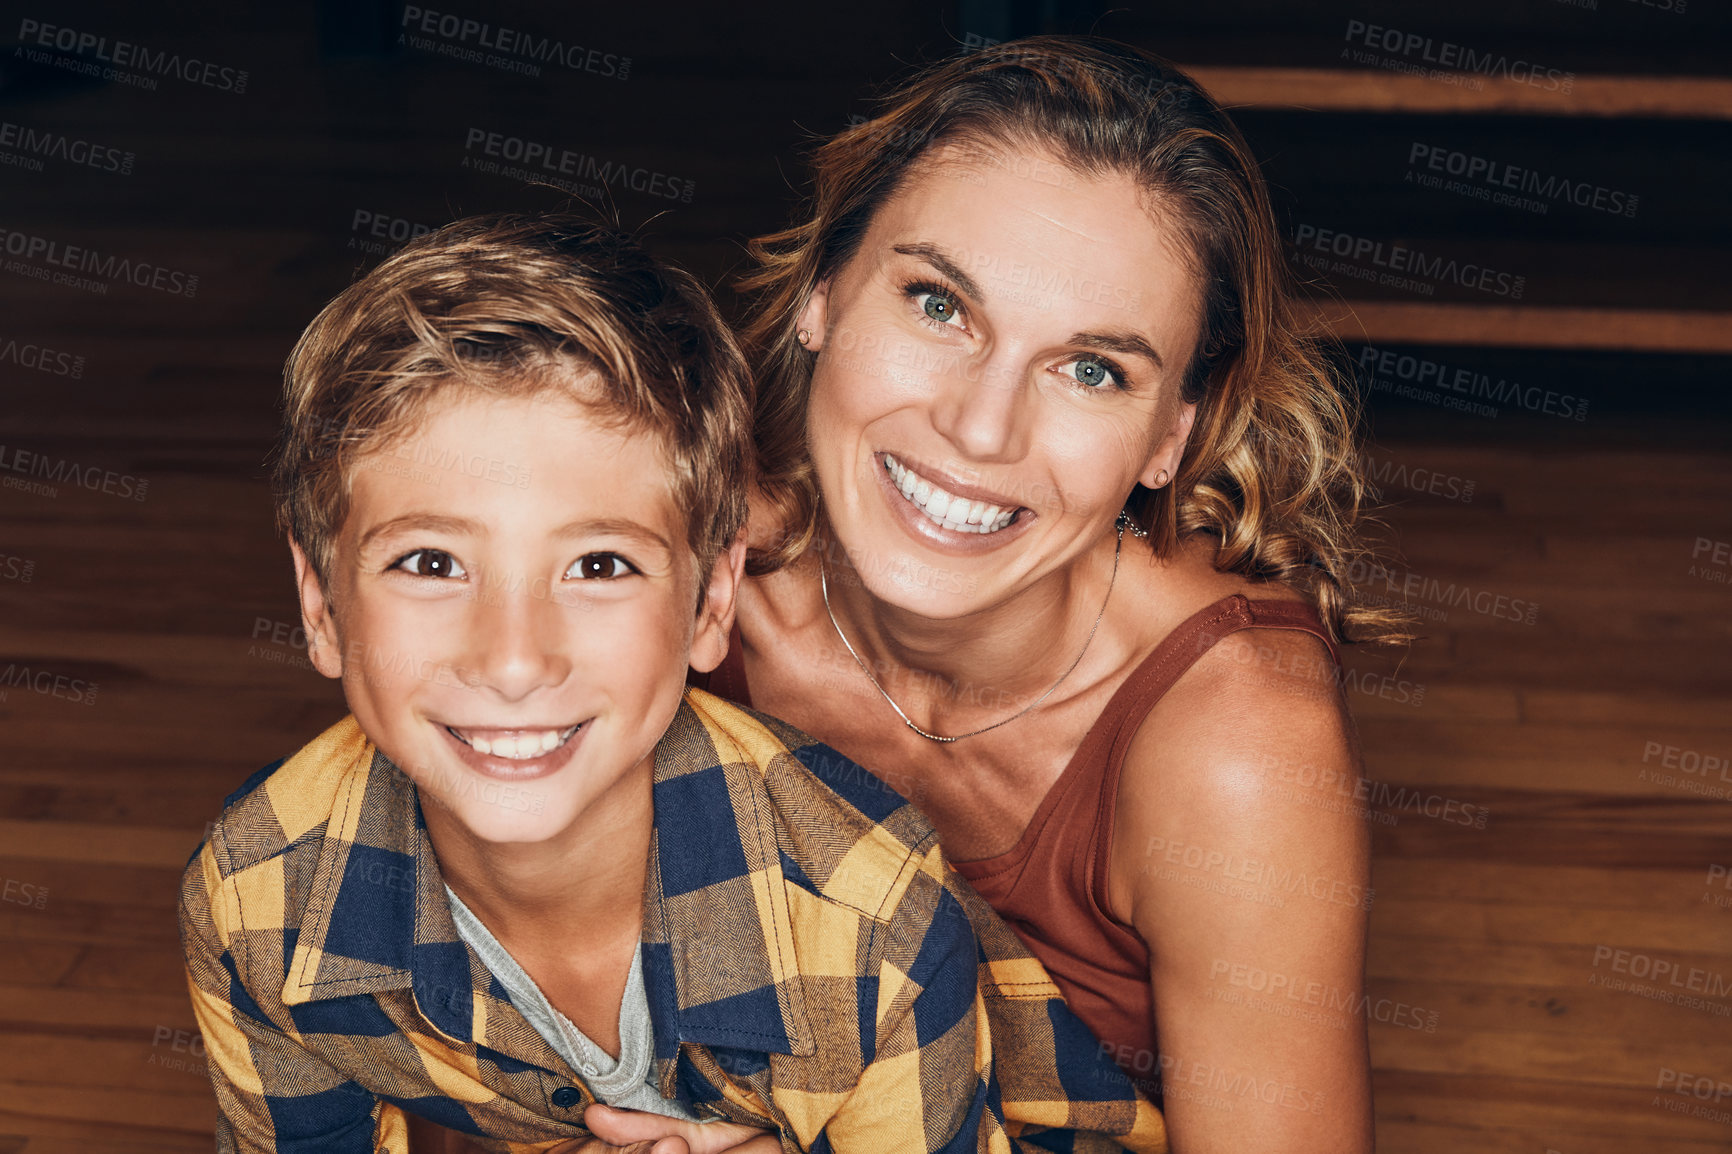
x=1051 y=886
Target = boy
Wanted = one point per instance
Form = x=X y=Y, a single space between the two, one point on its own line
x=532 y=872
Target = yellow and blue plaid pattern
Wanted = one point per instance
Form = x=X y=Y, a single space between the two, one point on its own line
x=811 y=963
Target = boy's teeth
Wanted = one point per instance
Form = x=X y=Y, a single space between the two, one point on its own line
x=517 y=747
x=958 y=514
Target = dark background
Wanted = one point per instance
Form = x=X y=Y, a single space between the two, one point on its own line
x=138 y=567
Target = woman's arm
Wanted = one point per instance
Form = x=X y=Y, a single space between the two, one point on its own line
x=1250 y=882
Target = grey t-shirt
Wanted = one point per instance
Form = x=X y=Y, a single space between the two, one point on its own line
x=623 y=1082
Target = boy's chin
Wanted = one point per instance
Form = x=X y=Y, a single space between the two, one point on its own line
x=519 y=816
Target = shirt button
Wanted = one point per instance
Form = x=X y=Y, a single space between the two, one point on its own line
x=566 y=1097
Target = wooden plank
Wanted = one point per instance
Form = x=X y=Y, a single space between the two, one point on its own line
x=1630 y=1064
x=1686 y=924
x=1546 y=1106
x=87 y=842
x=1397 y=1135
x=54 y=1009
x=173 y=1066
x=1592 y=1016
x=184 y=1107
x=1367 y=90
x=1496 y=883
x=1523 y=327
x=158 y=968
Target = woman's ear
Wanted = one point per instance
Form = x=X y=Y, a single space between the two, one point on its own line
x=323 y=648
x=1163 y=463
x=815 y=316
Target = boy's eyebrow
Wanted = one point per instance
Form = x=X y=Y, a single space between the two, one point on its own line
x=435 y=522
x=462 y=526
x=623 y=526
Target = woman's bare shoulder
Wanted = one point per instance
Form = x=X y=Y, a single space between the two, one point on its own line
x=1165 y=592
x=1256 y=698
x=1253 y=740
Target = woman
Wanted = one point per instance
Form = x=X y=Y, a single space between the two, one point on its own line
x=1061 y=505
x=1057 y=507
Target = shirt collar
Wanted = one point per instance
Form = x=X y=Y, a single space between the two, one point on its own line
x=377 y=917
x=720 y=967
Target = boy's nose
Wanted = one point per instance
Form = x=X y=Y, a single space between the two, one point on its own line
x=516 y=642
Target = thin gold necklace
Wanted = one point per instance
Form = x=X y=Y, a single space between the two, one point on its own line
x=824 y=586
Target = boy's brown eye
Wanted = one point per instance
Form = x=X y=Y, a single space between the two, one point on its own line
x=430 y=563
x=601 y=566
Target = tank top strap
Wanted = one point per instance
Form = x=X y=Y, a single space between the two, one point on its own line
x=1110 y=740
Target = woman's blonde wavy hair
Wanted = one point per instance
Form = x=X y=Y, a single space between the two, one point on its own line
x=1272 y=467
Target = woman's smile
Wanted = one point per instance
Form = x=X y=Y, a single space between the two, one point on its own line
x=948 y=505
x=946 y=514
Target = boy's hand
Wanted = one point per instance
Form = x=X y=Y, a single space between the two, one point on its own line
x=646 y=1133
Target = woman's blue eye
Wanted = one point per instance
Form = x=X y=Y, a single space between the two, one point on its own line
x=600 y=567
x=1092 y=373
x=939 y=308
x=430 y=563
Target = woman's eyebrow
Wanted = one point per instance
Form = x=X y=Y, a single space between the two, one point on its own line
x=1119 y=342
x=936 y=257
x=1110 y=342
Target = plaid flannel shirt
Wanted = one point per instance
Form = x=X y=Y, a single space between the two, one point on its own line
x=811 y=964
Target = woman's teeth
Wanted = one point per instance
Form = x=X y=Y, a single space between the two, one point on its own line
x=958 y=514
x=520 y=746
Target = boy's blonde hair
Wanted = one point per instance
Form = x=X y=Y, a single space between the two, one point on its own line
x=514 y=305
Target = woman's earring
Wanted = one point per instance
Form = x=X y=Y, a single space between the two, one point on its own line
x=804 y=336
x=1161 y=478
x=1125 y=521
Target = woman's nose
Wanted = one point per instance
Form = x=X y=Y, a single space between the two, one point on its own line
x=983 y=408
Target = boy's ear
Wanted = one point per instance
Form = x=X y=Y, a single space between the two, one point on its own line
x=716 y=615
x=815 y=316
x=323 y=648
